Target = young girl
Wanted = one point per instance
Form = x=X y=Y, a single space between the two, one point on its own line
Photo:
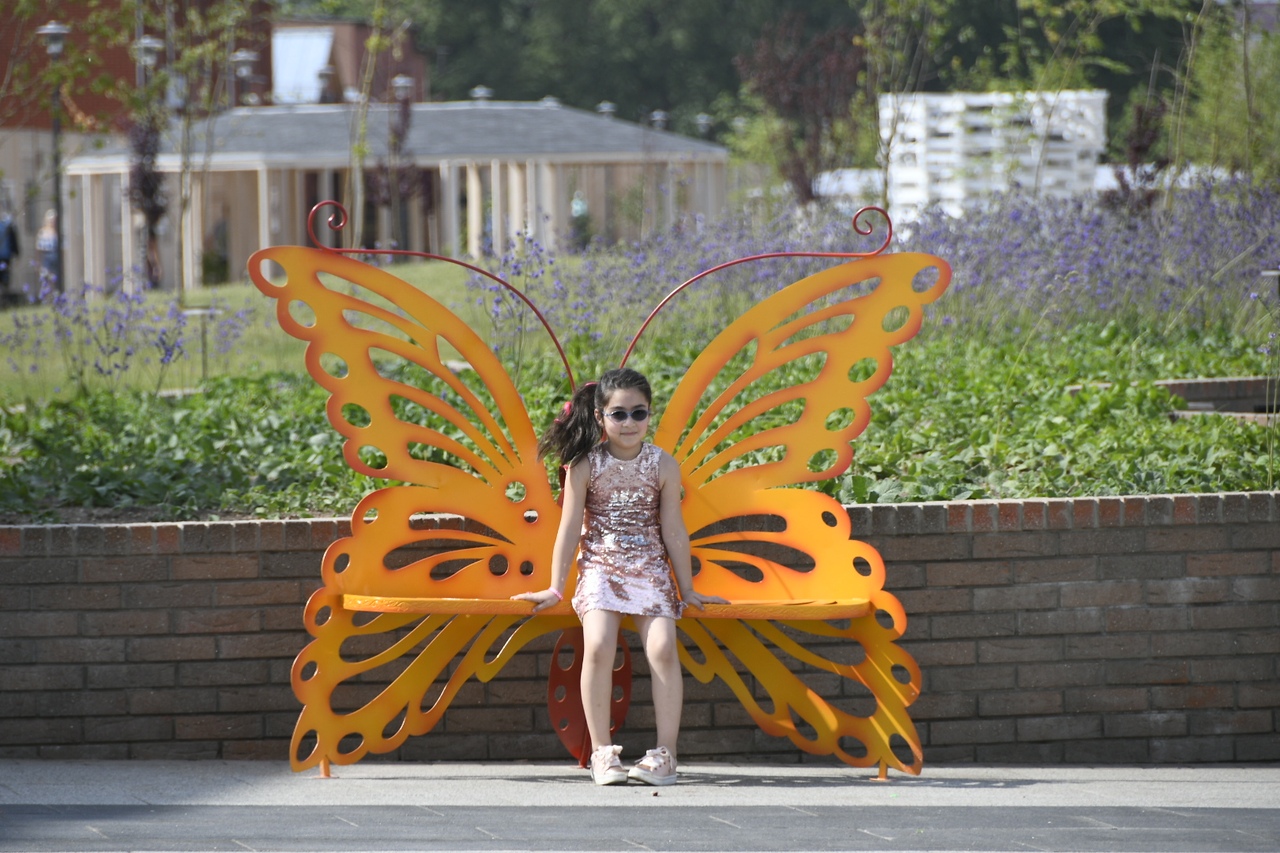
x=628 y=492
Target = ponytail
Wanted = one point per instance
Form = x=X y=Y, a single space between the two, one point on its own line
x=576 y=430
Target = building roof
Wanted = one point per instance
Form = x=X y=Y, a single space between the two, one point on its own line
x=320 y=136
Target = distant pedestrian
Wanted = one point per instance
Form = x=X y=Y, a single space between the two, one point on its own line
x=47 y=246
x=9 y=251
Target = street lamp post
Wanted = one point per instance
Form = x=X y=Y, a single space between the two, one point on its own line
x=242 y=62
x=402 y=86
x=55 y=36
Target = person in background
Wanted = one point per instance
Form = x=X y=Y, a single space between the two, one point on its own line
x=47 y=246
x=9 y=251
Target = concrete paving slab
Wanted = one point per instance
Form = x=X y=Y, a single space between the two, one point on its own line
x=53 y=806
x=262 y=783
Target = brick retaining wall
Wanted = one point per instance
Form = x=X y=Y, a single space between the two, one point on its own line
x=1136 y=630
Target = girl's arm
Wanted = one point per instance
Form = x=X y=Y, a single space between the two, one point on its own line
x=675 y=536
x=567 y=536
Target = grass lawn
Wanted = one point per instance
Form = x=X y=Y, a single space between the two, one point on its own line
x=242 y=339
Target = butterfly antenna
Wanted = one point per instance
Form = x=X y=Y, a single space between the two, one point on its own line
x=858 y=227
x=337 y=220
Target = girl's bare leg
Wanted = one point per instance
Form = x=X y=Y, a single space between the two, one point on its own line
x=600 y=637
x=658 y=636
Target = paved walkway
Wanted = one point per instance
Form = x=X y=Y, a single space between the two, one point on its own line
x=262 y=806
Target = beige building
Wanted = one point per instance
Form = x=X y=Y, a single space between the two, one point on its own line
x=474 y=174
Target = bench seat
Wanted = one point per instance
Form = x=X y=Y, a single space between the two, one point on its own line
x=851 y=608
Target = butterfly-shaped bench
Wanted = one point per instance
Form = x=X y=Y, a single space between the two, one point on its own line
x=432 y=602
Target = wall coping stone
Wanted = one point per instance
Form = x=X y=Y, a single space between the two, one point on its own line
x=867 y=519
x=921 y=518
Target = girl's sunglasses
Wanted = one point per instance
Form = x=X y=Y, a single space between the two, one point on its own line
x=619 y=416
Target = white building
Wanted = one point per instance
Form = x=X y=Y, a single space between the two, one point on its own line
x=951 y=149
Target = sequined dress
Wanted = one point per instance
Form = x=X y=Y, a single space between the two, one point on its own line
x=622 y=564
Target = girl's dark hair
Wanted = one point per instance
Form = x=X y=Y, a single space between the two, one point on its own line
x=576 y=430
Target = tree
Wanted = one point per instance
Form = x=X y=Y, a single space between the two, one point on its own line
x=29 y=78
x=808 y=82
x=185 y=95
x=679 y=56
x=147 y=193
x=641 y=55
x=1232 y=120
x=1055 y=45
x=27 y=75
x=393 y=182
x=389 y=25
x=19 y=43
x=1050 y=45
x=1139 y=177
x=905 y=42
x=1126 y=48
x=202 y=35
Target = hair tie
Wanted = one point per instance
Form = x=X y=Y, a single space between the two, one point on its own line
x=567 y=408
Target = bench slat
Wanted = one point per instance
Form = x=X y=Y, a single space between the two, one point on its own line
x=814 y=609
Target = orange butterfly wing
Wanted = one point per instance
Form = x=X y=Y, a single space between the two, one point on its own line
x=467 y=451
x=739 y=448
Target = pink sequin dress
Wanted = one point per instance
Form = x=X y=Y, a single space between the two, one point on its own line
x=622 y=564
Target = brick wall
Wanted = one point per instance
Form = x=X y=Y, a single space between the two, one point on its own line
x=1141 y=629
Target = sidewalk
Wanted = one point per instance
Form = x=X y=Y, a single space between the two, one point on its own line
x=263 y=806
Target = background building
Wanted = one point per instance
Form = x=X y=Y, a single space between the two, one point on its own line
x=27 y=95
x=473 y=174
x=952 y=149
x=93 y=90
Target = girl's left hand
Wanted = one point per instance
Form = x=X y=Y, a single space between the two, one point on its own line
x=696 y=599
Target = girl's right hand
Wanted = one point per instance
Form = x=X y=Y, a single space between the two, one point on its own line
x=541 y=599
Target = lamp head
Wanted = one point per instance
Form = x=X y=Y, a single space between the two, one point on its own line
x=55 y=37
x=147 y=50
x=242 y=61
x=402 y=85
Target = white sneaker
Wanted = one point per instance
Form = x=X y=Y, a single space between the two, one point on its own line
x=606 y=769
x=658 y=767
